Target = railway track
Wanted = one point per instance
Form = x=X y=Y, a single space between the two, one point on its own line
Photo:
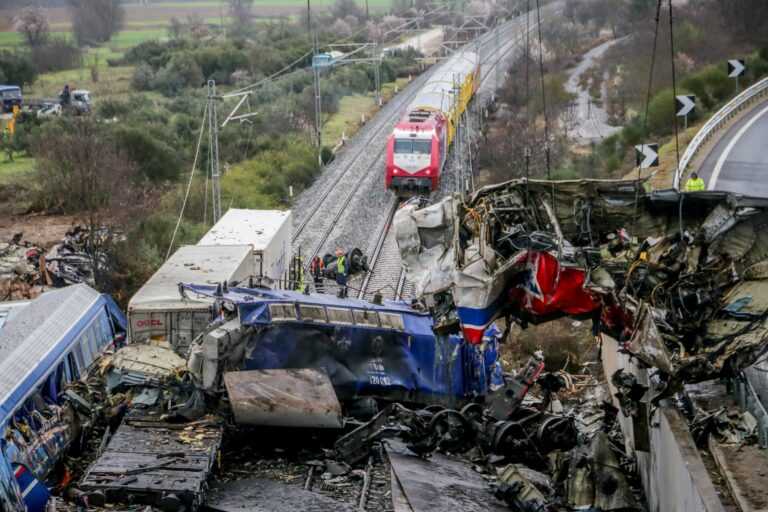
x=344 y=207
x=387 y=276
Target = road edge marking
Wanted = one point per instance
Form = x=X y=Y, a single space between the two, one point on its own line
x=724 y=156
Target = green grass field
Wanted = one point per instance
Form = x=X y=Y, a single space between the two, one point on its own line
x=113 y=82
x=10 y=172
x=347 y=120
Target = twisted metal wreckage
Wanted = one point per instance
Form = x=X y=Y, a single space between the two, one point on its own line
x=680 y=279
x=677 y=279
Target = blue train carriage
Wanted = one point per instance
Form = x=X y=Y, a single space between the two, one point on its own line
x=46 y=344
x=387 y=351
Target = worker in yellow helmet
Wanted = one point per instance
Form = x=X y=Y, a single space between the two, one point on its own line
x=695 y=184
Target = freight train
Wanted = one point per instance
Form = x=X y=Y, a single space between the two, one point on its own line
x=419 y=144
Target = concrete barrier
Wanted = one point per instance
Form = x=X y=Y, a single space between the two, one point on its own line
x=674 y=476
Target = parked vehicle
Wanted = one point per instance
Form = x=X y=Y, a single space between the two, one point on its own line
x=11 y=96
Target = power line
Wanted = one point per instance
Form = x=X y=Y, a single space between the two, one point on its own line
x=189 y=183
x=648 y=97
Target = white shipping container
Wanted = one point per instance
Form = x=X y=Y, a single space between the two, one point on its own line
x=158 y=311
x=268 y=232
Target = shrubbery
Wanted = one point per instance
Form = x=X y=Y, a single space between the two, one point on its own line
x=17 y=68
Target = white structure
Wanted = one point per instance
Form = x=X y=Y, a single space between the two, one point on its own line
x=267 y=232
x=159 y=311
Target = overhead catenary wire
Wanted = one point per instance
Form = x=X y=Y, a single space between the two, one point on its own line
x=189 y=183
x=289 y=67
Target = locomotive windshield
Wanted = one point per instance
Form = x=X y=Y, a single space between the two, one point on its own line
x=413 y=146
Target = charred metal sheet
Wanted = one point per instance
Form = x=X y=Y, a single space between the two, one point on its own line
x=283 y=398
x=441 y=483
x=597 y=480
x=155 y=463
x=263 y=495
x=518 y=492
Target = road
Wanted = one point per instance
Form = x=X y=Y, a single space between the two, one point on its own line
x=739 y=160
x=428 y=42
x=590 y=120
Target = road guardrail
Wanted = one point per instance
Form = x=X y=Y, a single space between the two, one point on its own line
x=755 y=92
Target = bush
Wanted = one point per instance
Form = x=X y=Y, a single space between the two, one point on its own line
x=326 y=155
x=263 y=182
x=180 y=72
x=153 y=53
x=156 y=160
x=220 y=63
x=143 y=78
x=109 y=108
x=17 y=67
x=661 y=113
x=717 y=84
x=55 y=55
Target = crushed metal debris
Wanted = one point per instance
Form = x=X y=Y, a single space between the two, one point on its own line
x=680 y=279
x=26 y=270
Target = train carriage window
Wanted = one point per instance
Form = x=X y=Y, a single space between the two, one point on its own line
x=340 y=316
x=392 y=321
x=366 y=318
x=422 y=147
x=73 y=372
x=312 y=313
x=403 y=146
x=282 y=312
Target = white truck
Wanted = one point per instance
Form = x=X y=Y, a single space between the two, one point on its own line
x=267 y=232
x=158 y=311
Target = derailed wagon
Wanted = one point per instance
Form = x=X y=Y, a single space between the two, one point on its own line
x=369 y=352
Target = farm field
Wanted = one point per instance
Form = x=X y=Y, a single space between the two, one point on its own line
x=156 y=15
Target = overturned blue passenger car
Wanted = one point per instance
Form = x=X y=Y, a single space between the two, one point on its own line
x=46 y=344
x=388 y=352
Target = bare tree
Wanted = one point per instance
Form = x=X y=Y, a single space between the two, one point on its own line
x=344 y=8
x=175 y=28
x=82 y=171
x=241 y=13
x=95 y=21
x=746 y=18
x=33 y=25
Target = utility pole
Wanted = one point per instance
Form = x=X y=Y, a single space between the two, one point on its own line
x=367 y=12
x=316 y=85
x=318 y=107
x=213 y=152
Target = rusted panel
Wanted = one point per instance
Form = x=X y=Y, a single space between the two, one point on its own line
x=283 y=398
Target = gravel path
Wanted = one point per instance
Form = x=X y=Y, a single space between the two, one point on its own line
x=590 y=123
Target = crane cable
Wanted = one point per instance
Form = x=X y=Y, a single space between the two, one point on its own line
x=189 y=184
x=648 y=99
x=674 y=113
x=544 y=92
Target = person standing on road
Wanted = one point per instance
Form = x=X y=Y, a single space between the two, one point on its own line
x=341 y=272
x=695 y=184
